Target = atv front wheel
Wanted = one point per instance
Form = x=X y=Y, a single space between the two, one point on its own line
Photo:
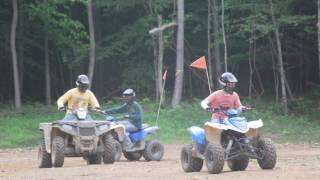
x=57 y=151
x=118 y=150
x=132 y=156
x=94 y=159
x=153 y=151
x=109 y=149
x=189 y=163
x=44 y=158
x=214 y=157
x=238 y=164
x=268 y=152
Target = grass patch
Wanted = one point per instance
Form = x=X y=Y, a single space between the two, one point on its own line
x=20 y=128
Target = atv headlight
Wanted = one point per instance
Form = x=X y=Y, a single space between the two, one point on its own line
x=67 y=127
x=103 y=127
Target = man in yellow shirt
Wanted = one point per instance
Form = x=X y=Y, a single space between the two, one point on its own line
x=79 y=97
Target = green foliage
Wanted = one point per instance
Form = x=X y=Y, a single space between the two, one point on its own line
x=138 y=76
x=20 y=129
x=125 y=49
x=66 y=32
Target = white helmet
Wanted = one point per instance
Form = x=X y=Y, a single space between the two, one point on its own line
x=129 y=92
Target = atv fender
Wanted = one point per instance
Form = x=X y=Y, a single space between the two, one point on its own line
x=213 y=131
x=120 y=130
x=254 y=129
x=197 y=134
x=46 y=129
x=151 y=130
x=50 y=130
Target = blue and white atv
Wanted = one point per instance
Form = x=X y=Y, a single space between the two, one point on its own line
x=233 y=139
x=151 y=150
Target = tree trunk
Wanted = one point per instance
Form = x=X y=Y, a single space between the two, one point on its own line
x=180 y=56
x=21 y=44
x=209 y=43
x=17 y=94
x=282 y=72
x=216 y=35
x=155 y=62
x=275 y=68
x=250 y=70
x=288 y=88
x=92 y=42
x=318 y=39
x=47 y=64
x=47 y=68
x=224 y=38
x=255 y=68
x=160 y=59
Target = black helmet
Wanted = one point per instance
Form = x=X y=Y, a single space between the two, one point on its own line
x=129 y=92
x=227 y=78
x=82 y=82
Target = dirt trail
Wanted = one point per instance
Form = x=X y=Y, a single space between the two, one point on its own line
x=294 y=162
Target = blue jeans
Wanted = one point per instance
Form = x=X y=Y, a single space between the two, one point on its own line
x=128 y=126
x=73 y=117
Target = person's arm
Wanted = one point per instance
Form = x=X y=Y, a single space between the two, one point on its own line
x=205 y=104
x=120 y=109
x=93 y=102
x=63 y=99
x=237 y=103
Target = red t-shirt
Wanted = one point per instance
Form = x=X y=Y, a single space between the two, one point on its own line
x=222 y=99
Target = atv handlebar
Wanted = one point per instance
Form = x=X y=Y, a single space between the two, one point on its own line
x=97 y=110
x=223 y=109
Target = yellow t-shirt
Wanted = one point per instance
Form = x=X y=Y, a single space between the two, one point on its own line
x=77 y=99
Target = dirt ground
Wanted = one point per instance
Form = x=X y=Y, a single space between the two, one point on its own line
x=294 y=162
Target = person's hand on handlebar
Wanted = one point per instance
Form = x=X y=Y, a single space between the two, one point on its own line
x=209 y=109
x=62 y=109
x=246 y=108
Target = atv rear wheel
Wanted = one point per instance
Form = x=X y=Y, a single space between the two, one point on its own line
x=153 y=151
x=109 y=149
x=238 y=164
x=189 y=163
x=118 y=148
x=94 y=159
x=214 y=157
x=132 y=156
x=57 y=151
x=44 y=158
x=268 y=152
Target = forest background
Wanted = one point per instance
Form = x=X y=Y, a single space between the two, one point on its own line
x=271 y=46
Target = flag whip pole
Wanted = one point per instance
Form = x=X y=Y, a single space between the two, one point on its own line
x=208 y=80
x=161 y=95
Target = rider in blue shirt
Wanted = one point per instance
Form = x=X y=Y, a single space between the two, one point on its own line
x=133 y=114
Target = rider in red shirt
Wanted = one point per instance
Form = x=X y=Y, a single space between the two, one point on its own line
x=225 y=98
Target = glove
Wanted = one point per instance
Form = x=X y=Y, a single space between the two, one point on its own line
x=96 y=109
x=209 y=109
x=62 y=109
x=246 y=108
x=103 y=112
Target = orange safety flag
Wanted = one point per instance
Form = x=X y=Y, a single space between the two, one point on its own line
x=199 y=63
x=164 y=77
